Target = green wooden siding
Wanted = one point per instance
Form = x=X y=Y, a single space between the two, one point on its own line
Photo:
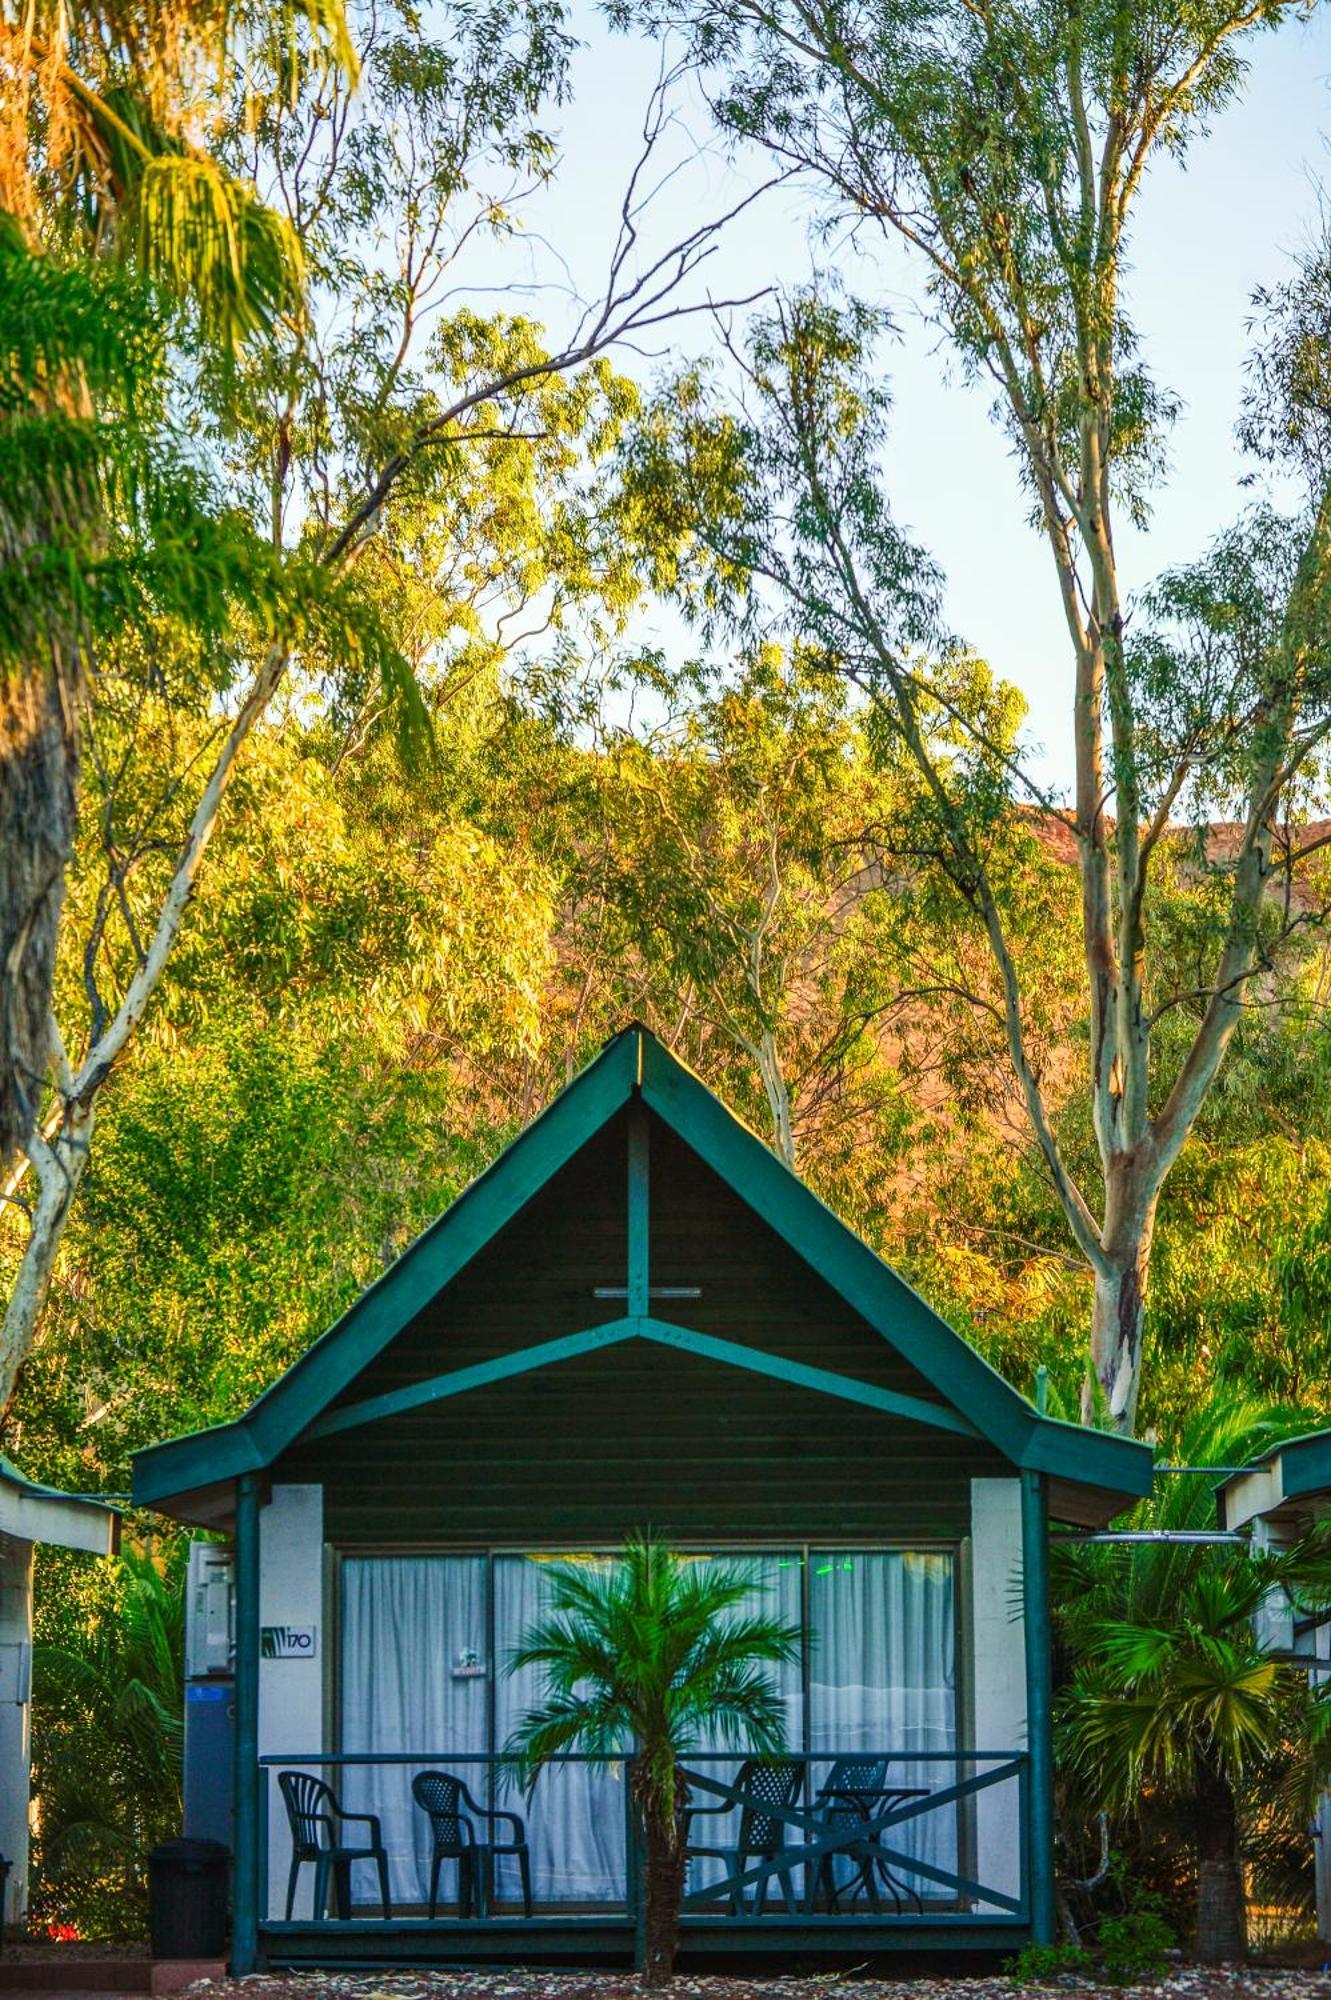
x=537 y=1280
x=639 y=1435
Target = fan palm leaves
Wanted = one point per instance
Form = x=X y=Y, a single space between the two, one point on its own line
x=107 y=1739
x=1175 y=1693
x=654 y=1654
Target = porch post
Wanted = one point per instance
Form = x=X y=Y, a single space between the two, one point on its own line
x=1039 y=1701
x=245 y=1862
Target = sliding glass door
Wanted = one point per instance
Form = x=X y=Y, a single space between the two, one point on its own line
x=425 y=1646
x=414 y=1678
x=576 y=1814
x=882 y=1679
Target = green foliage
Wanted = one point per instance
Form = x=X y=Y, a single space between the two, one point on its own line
x=653 y=1651
x=101 y=155
x=1173 y=1700
x=108 y=1698
x=1135 y=1946
x=1036 y=1963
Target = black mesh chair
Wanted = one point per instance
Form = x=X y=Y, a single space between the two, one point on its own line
x=763 y=1783
x=448 y=1804
x=846 y=1800
x=316 y=1820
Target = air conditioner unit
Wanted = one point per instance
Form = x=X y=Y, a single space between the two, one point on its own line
x=210 y=1620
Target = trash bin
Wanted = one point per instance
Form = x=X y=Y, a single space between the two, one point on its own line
x=187 y=1883
x=5 y=1867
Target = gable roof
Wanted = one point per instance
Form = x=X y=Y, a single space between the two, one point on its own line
x=1095 y=1473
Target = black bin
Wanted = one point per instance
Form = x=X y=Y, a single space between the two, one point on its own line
x=187 y=1882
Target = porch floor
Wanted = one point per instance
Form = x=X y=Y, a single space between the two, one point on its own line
x=608 y=1939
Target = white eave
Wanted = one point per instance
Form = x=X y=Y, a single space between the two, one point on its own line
x=33 y=1513
x=1252 y=1495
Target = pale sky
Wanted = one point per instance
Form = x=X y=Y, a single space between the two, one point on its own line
x=1206 y=236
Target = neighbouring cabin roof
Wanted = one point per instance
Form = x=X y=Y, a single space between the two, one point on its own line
x=33 y=1513
x=1092 y=1475
x=1285 y=1482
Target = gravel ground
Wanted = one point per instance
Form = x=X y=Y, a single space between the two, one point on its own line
x=1182 y=1983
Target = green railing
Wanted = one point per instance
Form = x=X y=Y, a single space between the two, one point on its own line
x=943 y=1837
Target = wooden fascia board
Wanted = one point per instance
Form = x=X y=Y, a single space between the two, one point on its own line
x=1296 y=1469
x=1078 y=1455
x=58 y=1520
x=824 y=1242
x=1305 y=1466
x=880 y=1296
x=202 y=1459
x=302 y=1395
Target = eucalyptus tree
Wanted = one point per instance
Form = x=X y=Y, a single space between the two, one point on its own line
x=114 y=540
x=429 y=468
x=1006 y=144
x=732 y=870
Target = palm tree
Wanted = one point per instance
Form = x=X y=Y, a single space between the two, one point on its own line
x=102 y=108
x=1174 y=1695
x=653 y=1654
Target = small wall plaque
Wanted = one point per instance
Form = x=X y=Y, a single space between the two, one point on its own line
x=288 y=1642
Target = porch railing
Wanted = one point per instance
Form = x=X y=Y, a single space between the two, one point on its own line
x=944 y=1839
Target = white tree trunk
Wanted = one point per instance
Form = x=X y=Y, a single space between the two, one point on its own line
x=1118 y=1314
x=778 y=1098
x=60 y=1164
x=59 y=1168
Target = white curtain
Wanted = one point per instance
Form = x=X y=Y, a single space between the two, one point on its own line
x=417 y=1680
x=575 y=1814
x=775 y=1593
x=414 y=1681
x=883 y=1679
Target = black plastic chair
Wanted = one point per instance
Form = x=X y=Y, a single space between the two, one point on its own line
x=845 y=1801
x=315 y=1818
x=764 y=1783
x=443 y=1798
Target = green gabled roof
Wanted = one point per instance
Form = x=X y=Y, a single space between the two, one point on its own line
x=634 y=1065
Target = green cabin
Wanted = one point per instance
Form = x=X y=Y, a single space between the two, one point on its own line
x=638 y=1318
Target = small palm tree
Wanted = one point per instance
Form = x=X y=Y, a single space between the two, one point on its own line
x=1174 y=1694
x=654 y=1655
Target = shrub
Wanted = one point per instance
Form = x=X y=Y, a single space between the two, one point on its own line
x=1037 y=1962
x=1134 y=1946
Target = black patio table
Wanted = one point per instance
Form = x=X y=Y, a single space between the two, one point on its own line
x=865 y=1850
